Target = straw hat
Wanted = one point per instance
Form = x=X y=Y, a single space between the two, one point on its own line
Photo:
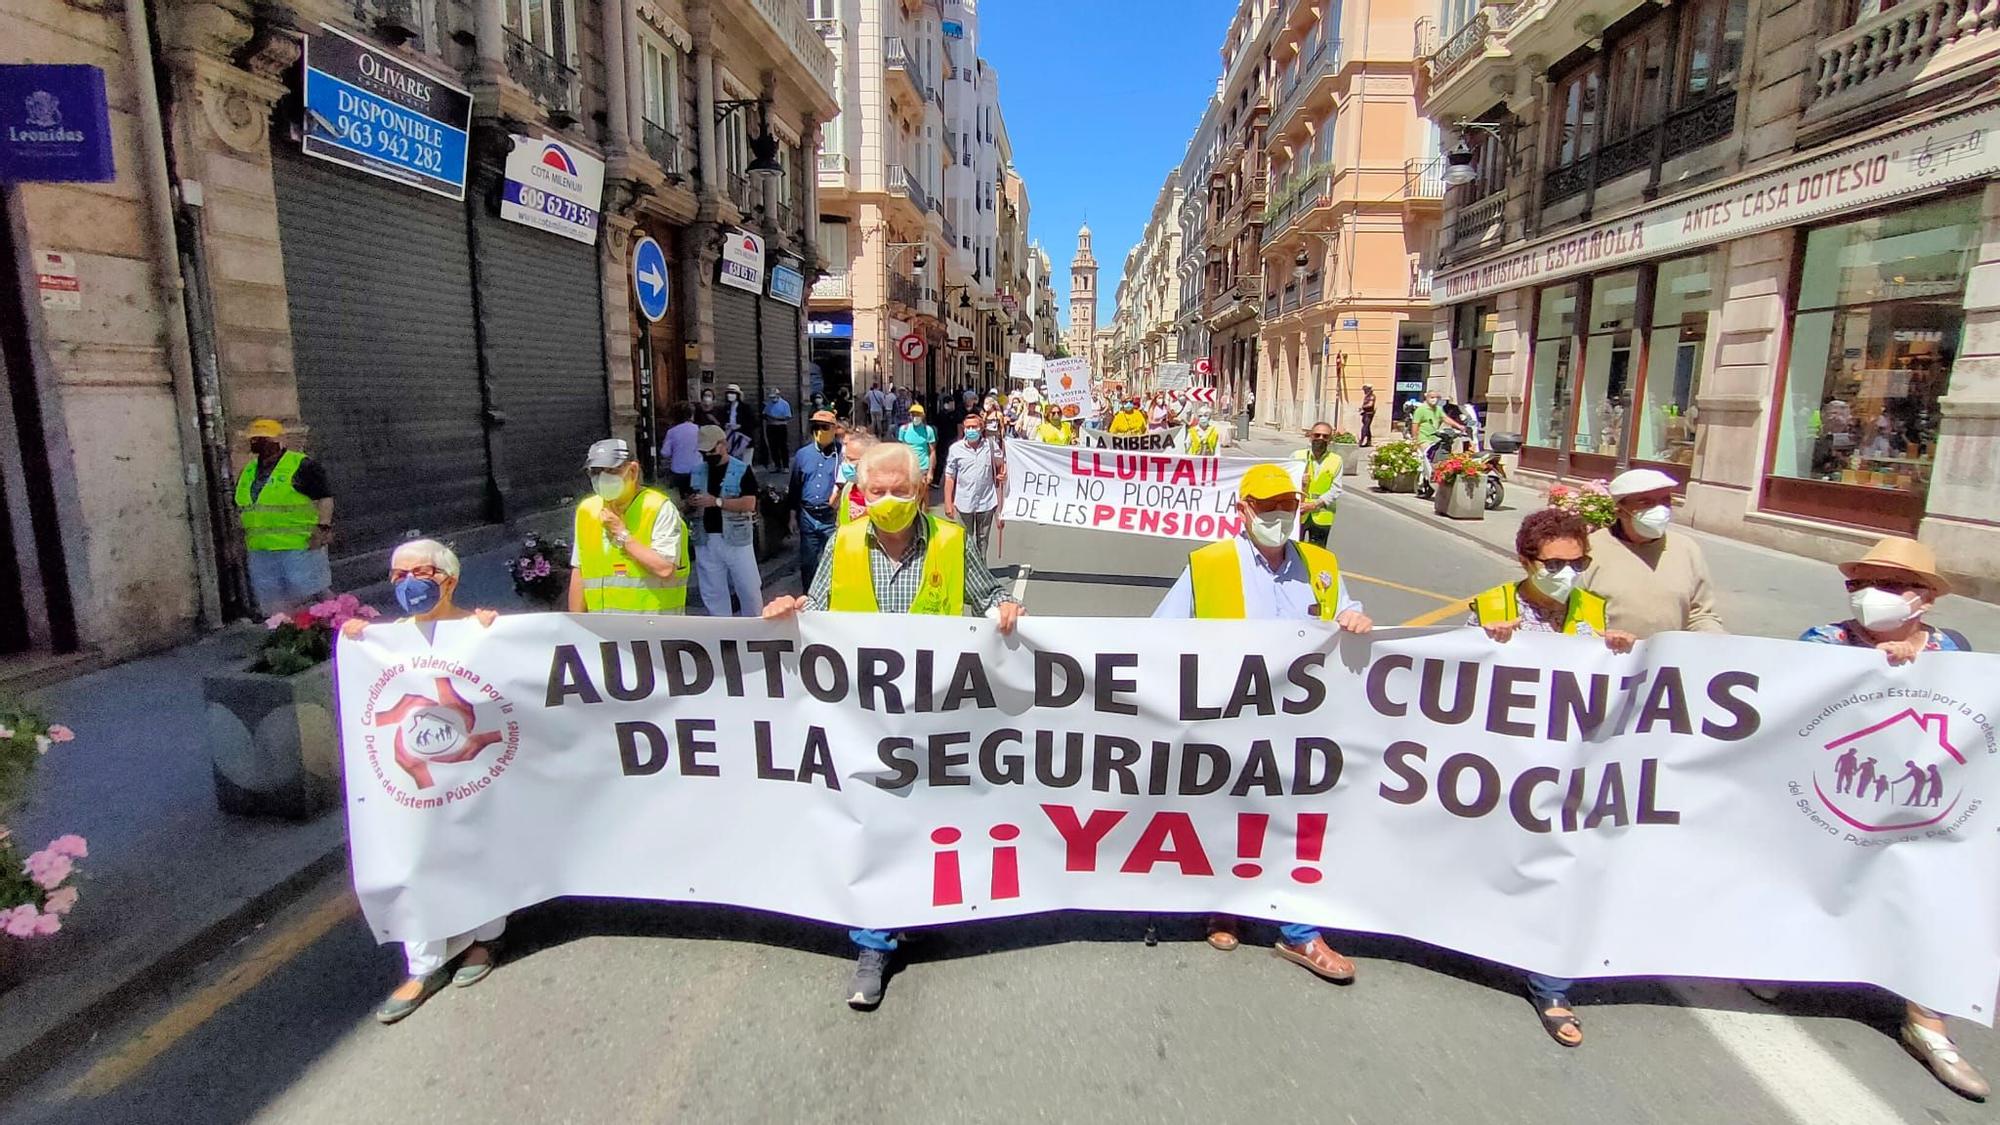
x=1908 y=555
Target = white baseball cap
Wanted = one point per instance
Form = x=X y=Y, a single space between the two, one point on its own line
x=1631 y=482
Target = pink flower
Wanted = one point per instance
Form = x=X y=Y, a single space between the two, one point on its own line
x=48 y=868
x=20 y=921
x=349 y=603
x=60 y=901
x=47 y=924
x=277 y=619
x=327 y=608
x=368 y=613
x=71 y=845
x=61 y=733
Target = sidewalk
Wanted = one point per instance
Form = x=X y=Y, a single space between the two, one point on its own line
x=171 y=881
x=1759 y=591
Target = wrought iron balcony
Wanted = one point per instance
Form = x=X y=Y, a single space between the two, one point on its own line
x=905 y=291
x=1323 y=60
x=550 y=81
x=899 y=61
x=664 y=146
x=743 y=191
x=395 y=22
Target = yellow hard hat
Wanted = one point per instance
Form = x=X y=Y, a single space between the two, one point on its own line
x=1268 y=482
x=265 y=427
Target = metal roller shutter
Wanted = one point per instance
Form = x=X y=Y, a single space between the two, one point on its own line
x=735 y=340
x=782 y=339
x=544 y=328
x=379 y=280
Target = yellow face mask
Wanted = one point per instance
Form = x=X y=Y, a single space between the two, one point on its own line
x=892 y=513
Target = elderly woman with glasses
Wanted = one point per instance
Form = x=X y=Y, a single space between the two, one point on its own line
x=424 y=573
x=1553 y=548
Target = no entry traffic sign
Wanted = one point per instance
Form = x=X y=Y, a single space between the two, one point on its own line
x=911 y=347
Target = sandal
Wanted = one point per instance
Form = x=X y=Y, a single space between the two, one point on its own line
x=1559 y=1026
x=1222 y=933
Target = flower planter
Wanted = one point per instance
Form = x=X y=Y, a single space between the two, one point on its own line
x=1401 y=482
x=1461 y=499
x=1350 y=458
x=272 y=742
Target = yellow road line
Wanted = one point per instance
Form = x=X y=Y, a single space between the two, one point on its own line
x=138 y=1053
x=1399 y=586
x=1441 y=614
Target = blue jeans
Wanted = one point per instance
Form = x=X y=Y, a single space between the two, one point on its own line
x=1296 y=933
x=872 y=939
x=814 y=535
x=1545 y=988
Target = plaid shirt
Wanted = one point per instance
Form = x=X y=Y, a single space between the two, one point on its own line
x=897 y=581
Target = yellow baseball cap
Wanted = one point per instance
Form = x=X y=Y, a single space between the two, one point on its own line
x=265 y=427
x=1268 y=482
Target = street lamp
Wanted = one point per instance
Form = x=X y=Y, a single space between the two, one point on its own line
x=763 y=146
x=1460 y=168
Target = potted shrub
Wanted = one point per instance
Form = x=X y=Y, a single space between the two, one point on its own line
x=271 y=737
x=1349 y=448
x=1591 y=500
x=1459 y=495
x=541 y=571
x=37 y=888
x=1395 y=466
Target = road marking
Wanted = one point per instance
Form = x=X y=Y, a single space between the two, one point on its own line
x=1800 y=1075
x=1021 y=574
x=279 y=949
x=1440 y=614
x=1400 y=586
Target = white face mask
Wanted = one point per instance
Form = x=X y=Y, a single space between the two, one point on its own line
x=1652 y=523
x=1880 y=609
x=609 y=486
x=1555 y=585
x=1270 y=529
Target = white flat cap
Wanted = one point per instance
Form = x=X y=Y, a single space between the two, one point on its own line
x=1631 y=482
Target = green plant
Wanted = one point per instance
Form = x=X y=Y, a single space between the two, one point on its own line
x=1394 y=459
x=1345 y=437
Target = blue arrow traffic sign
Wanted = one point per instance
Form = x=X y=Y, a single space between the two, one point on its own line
x=649 y=278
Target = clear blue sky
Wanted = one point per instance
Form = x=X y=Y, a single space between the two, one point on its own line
x=1100 y=98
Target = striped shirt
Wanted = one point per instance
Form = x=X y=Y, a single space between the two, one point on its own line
x=897 y=581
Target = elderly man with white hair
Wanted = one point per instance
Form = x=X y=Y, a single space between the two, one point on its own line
x=1656 y=582
x=424 y=573
x=899 y=559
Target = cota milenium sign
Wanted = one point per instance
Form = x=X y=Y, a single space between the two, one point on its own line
x=374 y=112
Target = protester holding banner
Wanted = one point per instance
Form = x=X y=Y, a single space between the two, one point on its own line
x=1320 y=481
x=424 y=573
x=973 y=473
x=629 y=552
x=1265 y=574
x=1129 y=420
x=1656 y=582
x=1552 y=546
x=1049 y=432
x=1889 y=590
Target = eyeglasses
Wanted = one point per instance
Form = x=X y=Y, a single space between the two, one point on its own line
x=1557 y=566
x=425 y=571
x=1886 y=584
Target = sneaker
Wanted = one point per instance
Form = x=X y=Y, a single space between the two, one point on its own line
x=865 y=992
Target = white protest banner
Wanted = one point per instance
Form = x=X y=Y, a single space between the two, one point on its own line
x=1026 y=366
x=1702 y=807
x=1172 y=376
x=1176 y=495
x=1067 y=383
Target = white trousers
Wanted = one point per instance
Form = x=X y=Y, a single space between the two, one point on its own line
x=427 y=957
x=720 y=568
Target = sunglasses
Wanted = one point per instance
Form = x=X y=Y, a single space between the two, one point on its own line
x=1557 y=566
x=424 y=571
x=1887 y=584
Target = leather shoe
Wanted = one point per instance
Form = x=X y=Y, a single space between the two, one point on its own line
x=1319 y=958
x=1941 y=1055
x=1222 y=933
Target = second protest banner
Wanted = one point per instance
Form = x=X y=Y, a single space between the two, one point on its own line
x=1170 y=494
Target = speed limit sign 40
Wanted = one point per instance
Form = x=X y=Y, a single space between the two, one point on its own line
x=911 y=347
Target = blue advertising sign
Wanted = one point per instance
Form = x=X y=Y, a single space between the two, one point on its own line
x=788 y=285
x=370 y=110
x=831 y=325
x=649 y=278
x=54 y=124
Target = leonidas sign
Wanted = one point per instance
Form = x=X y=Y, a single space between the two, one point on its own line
x=1738 y=808
x=1948 y=151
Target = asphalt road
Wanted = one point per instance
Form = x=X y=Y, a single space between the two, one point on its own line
x=615 y=1011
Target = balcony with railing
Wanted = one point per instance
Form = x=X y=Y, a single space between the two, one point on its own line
x=1299 y=197
x=832 y=169
x=1927 y=42
x=905 y=291
x=1478 y=223
x=663 y=145
x=803 y=39
x=836 y=285
x=1423 y=179
x=1448 y=63
x=1235 y=301
x=1420 y=284
x=902 y=183
x=743 y=191
x=951 y=236
x=395 y=22
x=1320 y=61
x=550 y=81
x=899 y=64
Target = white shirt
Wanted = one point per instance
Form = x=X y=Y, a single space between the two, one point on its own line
x=1282 y=594
x=666 y=537
x=973 y=470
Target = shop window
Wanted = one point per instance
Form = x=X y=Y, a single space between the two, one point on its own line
x=1555 y=339
x=1603 y=395
x=1686 y=292
x=1877 y=326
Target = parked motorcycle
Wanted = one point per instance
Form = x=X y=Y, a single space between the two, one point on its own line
x=1493 y=471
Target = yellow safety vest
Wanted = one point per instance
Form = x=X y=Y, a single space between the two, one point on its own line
x=1317 y=479
x=613 y=582
x=1203 y=440
x=1502 y=604
x=943 y=589
x=1218 y=579
x=1050 y=434
x=842 y=508
x=280 y=518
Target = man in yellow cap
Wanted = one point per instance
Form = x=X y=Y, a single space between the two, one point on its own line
x=921 y=437
x=285 y=507
x=1265 y=574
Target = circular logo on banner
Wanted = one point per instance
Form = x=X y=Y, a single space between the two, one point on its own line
x=911 y=347
x=444 y=738
x=1879 y=771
